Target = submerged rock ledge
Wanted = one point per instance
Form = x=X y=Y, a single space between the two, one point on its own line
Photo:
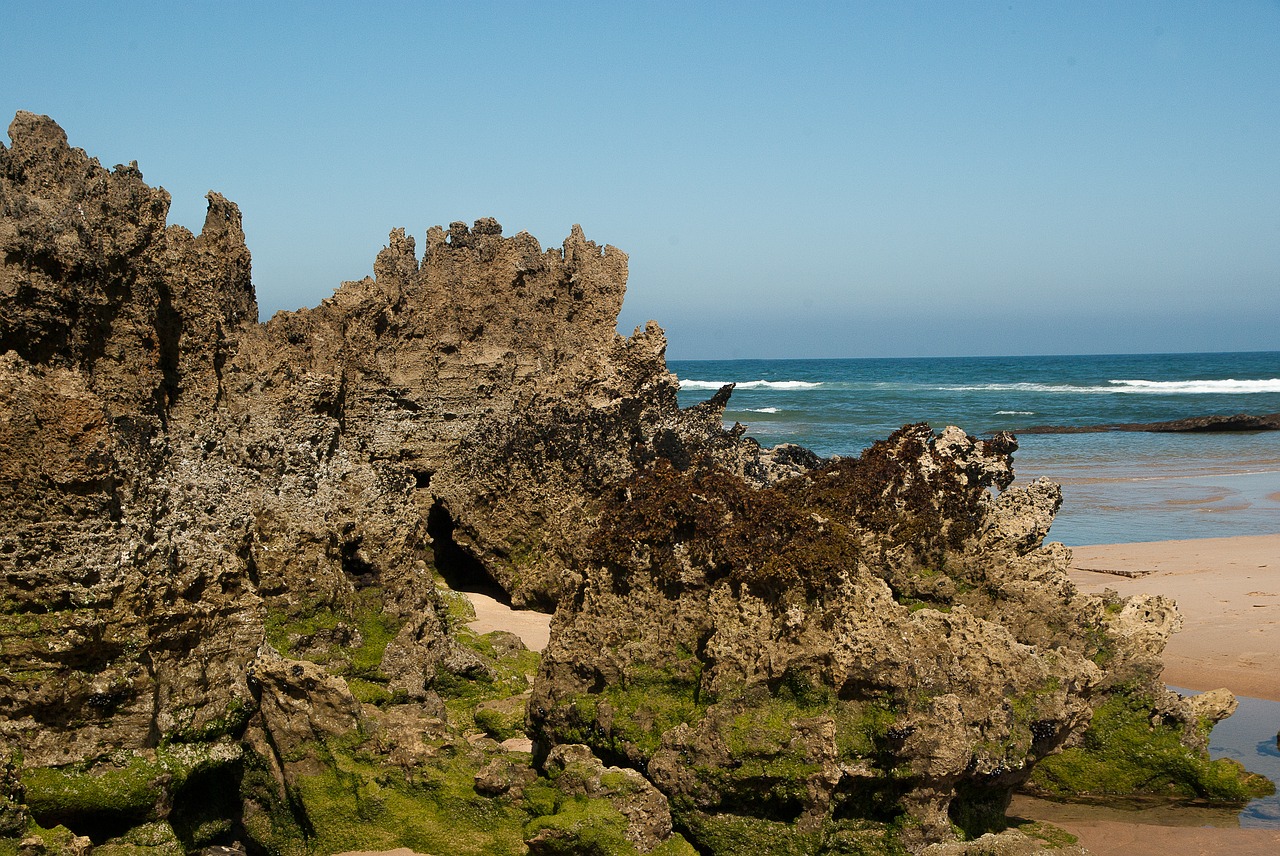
x=232 y=553
x=1213 y=424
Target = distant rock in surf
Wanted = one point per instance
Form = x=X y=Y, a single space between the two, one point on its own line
x=1215 y=424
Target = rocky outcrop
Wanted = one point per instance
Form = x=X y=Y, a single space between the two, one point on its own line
x=877 y=641
x=125 y=609
x=201 y=511
x=1216 y=423
x=231 y=551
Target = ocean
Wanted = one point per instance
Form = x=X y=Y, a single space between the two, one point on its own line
x=1117 y=486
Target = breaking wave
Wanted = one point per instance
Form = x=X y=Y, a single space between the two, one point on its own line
x=750 y=384
x=1136 y=387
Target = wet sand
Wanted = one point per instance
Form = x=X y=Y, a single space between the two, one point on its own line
x=1107 y=831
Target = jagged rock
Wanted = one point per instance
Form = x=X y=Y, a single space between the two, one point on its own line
x=220 y=533
x=874 y=639
x=184 y=488
x=1214 y=705
x=747 y=646
x=1008 y=843
x=300 y=702
x=577 y=772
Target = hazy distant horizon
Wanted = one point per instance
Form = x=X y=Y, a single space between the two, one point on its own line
x=963 y=356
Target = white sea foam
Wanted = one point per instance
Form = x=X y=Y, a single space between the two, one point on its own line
x=749 y=384
x=1136 y=387
x=762 y=410
x=1229 y=385
x=1015 y=413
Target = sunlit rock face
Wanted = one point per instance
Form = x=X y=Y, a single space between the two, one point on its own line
x=223 y=535
x=225 y=544
x=875 y=641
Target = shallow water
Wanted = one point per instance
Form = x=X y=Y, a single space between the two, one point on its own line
x=1161 y=503
x=1249 y=736
x=1156 y=813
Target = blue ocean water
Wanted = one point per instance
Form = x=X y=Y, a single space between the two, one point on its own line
x=1117 y=486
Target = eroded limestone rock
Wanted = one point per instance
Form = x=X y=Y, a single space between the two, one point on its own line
x=224 y=545
x=878 y=640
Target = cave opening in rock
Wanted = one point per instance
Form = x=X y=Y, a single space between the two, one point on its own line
x=361 y=573
x=461 y=570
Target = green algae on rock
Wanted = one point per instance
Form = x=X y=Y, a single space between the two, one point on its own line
x=760 y=652
x=1126 y=751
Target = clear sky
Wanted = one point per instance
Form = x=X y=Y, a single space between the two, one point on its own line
x=789 y=179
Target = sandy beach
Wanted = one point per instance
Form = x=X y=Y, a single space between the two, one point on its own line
x=533 y=628
x=1228 y=592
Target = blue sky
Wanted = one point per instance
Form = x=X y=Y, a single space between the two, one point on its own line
x=789 y=179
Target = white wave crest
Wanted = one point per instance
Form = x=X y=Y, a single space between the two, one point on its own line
x=1135 y=387
x=1193 y=387
x=1015 y=413
x=762 y=410
x=750 y=384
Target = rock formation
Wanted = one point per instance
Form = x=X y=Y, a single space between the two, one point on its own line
x=230 y=551
x=1213 y=424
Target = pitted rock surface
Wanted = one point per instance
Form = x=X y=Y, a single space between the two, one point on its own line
x=219 y=532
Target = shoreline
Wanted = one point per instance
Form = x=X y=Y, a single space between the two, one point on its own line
x=1228 y=594
x=1110 y=831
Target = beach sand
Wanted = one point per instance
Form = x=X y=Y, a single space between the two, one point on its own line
x=533 y=628
x=1228 y=592
x=1107 y=831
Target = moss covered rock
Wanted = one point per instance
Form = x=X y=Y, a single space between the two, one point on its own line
x=587 y=808
x=504 y=718
x=878 y=640
x=108 y=798
x=1130 y=749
